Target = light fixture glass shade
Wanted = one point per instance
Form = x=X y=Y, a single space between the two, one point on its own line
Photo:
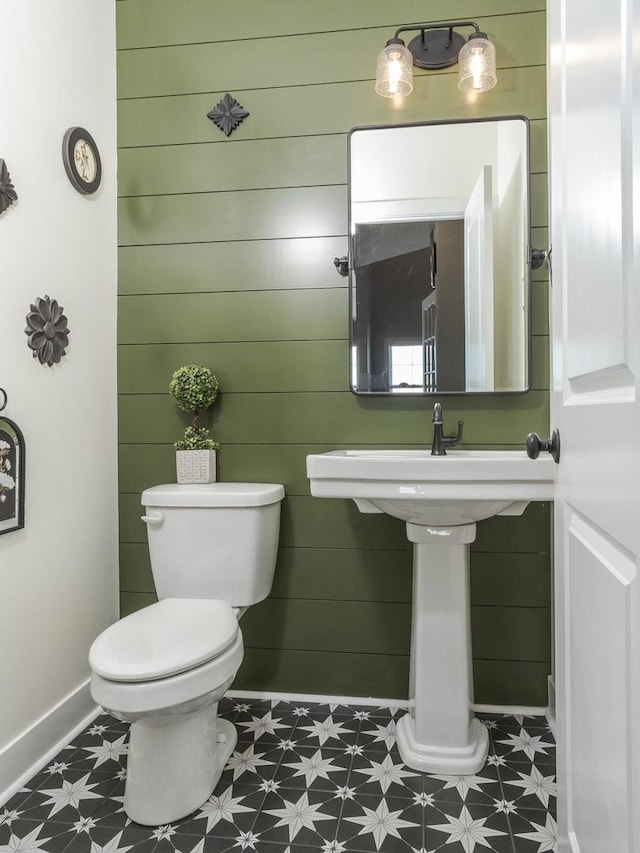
x=394 y=70
x=477 y=65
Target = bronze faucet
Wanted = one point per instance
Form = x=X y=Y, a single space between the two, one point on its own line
x=440 y=441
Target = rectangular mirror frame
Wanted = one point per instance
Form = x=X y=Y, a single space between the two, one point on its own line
x=526 y=260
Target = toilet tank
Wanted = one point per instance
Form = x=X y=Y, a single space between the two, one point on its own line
x=217 y=540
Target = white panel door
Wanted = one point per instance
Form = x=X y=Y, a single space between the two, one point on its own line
x=595 y=228
x=478 y=284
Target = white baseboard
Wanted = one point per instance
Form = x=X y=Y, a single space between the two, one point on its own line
x=572 y=843
x=318 y=697
x=515 y=710
x=34 y=748
x=526 y=710
x=550 y=712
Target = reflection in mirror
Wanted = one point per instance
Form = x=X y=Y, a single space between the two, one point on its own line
x=439 y=242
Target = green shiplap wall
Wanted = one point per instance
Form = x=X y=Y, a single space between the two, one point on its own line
x=226 y=250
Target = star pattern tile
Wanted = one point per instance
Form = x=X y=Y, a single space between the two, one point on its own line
x=468 y=831
x=295 y=815
x=304 y=776
x=381 y=824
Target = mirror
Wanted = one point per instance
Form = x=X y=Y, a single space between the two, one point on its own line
x=439 y=250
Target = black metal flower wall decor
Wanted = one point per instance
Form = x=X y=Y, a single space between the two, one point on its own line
x=48 y=334
x=227 y=114
x=7 y=191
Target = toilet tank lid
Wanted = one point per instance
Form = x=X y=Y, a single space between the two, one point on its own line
x=213 y=494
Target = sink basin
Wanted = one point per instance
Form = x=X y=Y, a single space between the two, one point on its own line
x=462 y=487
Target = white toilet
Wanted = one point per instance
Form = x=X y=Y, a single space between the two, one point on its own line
x=213 y=553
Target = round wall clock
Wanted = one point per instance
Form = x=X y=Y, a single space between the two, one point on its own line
x=81 y=160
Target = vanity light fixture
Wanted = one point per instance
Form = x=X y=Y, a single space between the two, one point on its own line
x=437 y=45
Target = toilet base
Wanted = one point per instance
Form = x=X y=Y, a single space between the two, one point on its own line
x=174 y=764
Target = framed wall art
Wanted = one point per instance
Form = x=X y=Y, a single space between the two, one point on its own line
x=81 y=160
x=12 y=472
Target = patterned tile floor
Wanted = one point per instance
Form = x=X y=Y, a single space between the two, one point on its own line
x=304 y=777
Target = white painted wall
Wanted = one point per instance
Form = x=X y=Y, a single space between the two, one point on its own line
x=58 y=576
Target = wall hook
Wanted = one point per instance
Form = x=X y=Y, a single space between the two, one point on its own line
x=538 y=257
x=342 y=265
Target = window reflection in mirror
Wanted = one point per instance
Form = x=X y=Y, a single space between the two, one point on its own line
x=439 y=238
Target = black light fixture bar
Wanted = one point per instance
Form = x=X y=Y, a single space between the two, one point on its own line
x=438 y=45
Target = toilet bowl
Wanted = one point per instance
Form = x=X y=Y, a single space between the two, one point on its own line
x=164 y=668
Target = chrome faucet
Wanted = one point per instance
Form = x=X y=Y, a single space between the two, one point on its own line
x=440 y=441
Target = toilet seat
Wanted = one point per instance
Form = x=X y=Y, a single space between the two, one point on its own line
x=131 y=699
x=164 y=639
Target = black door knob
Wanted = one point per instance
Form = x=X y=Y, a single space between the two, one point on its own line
x=535 y=445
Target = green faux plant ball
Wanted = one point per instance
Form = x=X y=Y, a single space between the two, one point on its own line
x=193 y=387
x=195 y=438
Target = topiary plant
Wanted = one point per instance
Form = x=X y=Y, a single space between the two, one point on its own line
x=194 y=388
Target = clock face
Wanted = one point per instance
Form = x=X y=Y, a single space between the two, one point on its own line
x=85 y=161
x=81 y=160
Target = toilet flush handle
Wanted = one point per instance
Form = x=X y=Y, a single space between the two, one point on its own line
x=157 y=518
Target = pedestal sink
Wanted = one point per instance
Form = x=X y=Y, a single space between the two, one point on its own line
x=440 y=498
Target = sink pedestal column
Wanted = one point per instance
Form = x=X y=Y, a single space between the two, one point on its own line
x=440 y=733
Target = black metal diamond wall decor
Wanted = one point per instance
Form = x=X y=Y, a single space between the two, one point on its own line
x=7 y=191
x=227 y=114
